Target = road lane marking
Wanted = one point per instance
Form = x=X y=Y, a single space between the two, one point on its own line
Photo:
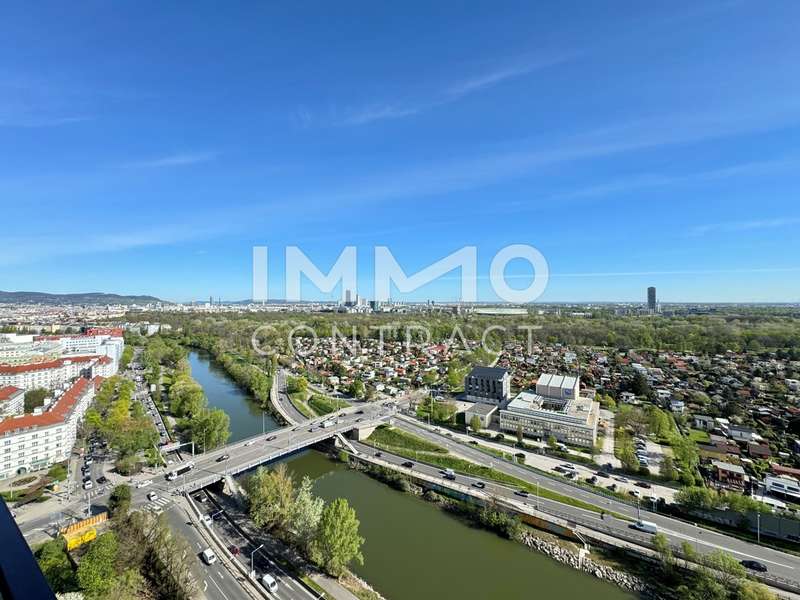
x=220 y=589
x=700 y=541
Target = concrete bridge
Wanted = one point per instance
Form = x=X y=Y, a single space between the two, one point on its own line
x=252 y=452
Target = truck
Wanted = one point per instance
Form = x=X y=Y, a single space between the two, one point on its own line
x=646 y=526
x=184 y=468
x=326 y=424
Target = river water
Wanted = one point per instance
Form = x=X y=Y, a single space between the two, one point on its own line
x=247 y=417
x=413 y=550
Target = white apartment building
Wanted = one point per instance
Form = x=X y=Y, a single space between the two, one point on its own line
x=17 y=349
x=48 y=375
x=12 y=401
x=34 y=442
x=557 y=409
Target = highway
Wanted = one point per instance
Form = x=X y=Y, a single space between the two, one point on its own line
x=780 y=564
x=286 y=406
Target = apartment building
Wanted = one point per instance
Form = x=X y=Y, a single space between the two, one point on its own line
x=489 y=385
x=18 y=349
x=48 y=375
x=34 y=442
x=554 y=409
x=12 y=401
x=102 y=344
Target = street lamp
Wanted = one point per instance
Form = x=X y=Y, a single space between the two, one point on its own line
x=252 y=554
x=758 y=526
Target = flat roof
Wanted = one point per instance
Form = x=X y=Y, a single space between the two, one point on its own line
x=481 y=408
x=489 y=372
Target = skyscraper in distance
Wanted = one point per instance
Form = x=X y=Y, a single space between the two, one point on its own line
x=651 y=299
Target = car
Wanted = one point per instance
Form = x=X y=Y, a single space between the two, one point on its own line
x=568 y=466
x=223 y=458
x=250 y=443
x=635 y=493
x=208 y=556
x=87 y=477
x=272 y=438
x=378 y=454
x=87 y=485
x=152 y=496
x=310 y=429
x=473 y=442
x=643 y=484
x=144 y=483
x=603 y=474
x=559 y=469
x=621 y=479
x=359 y=420
x=200 y=498
x=592 y=480
x=359 y=412
x=612 y=487
x=478 y=484
x=234 y=550
x=269 y=582
x=448 y=474
x=754 y=565
x=408 y=464
x=102 y=480
x=207 y=520
x=88 y=461
x=523 y=493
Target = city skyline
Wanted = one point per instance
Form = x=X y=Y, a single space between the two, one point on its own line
x=603 y=140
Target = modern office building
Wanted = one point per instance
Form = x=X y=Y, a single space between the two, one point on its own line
x=554 y=409
x=34 y=442
x=651 y=299
x=490 y=385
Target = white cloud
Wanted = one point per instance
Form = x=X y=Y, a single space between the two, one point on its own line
x=734 y=226
x=396 y=110
x=173 y=160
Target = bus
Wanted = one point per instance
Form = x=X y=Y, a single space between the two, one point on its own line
x=184 y=468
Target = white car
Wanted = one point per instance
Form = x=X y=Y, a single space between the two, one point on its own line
x=208 y=556
x=145 y=483
x=269 y=582
x=207 y=520
x=87 y=485
x=152 y=496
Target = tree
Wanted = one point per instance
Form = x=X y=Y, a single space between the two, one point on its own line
x=34 y=398
x=211 y=428
x=119 y=502
x=306 y=515
x=552 y=442
x=356 y=389
x=730 y=569
x=475 y=423
x=130 y=585
x=519 y=435
x=338 y=541
x=58 y=472
x=751 y=590
x=639 y=385
x=96 y=570
x=55 y=565
x=271 y=494
x=667 y=468
x=661 y=544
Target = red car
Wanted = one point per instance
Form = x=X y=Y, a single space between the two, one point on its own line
x=234 y=550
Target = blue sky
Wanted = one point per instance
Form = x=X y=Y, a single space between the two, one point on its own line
x=146 y=147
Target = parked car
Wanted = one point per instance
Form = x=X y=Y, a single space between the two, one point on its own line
x=643 y=484
x=592 y=480
x=603 y=474
x=87 y=485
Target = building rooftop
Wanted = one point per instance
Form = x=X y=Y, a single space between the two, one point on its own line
x=480 y=408
x=573 y=410
x=8 y=392
x=57 y=414
x=488 y=372
x=728 y=467
x=43 y=366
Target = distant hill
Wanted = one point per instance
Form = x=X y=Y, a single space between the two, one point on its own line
x=82 y=298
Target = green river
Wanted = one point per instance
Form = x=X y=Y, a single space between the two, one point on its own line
x=413 y=550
